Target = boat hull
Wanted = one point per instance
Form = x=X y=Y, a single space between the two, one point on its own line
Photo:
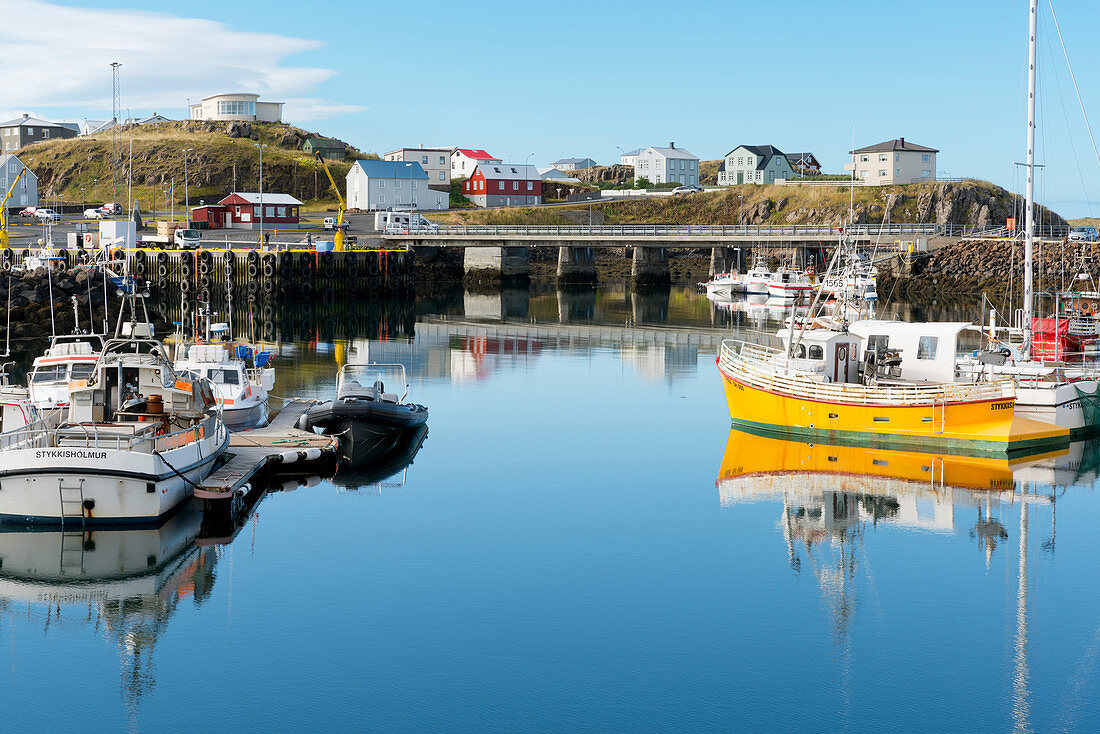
x=102 y=486
x=978 y=427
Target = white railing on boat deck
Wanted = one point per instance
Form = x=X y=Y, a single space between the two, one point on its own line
x=764 y=367
x=44 y=434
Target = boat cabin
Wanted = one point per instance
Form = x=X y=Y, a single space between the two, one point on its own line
x=68 y=358
x=832 y=354
x=927 y=350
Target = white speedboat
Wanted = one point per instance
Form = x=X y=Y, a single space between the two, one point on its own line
x=756 y=278
x=787 y=283
x=136 y=440
x=239 y=374
x=724 y=285
x=68 y=358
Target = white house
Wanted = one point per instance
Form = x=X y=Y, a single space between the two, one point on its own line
x=667 y=165
x=246 y=107
x=756 y=164
x=436 y=162
x=465 y=160
x=894 y=162
x=630 y=158
x=26 y=193
x=380 y=185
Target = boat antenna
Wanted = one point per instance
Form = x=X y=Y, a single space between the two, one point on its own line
x=1029 y=189
x=103 y=272
x=49 y=282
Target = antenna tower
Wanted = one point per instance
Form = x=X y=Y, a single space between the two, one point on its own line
x=116 y=156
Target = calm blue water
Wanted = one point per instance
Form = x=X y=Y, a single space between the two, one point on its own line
x=568 y=552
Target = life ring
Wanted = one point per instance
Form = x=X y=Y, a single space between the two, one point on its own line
x=810 y=270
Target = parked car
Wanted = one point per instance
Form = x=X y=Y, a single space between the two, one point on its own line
x=1083 y=234
x=684 y=190
x=93 y=214
x=330 y=224
x=111 y=209
x=48 y=215
x=28 y=212
x=187 y=239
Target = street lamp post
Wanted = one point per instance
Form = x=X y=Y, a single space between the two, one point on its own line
x=95 y=189
x=261 y=147
x=186 y=191
x=83 y=200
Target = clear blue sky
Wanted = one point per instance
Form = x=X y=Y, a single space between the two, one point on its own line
x=578 y=79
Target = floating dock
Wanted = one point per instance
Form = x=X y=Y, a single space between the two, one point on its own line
x=252 y=451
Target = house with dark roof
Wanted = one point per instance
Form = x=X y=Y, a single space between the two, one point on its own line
x=14 y=134
x=328 y=148
x=893 y=162
x=503 y=184
x=755 y=164
x=573 y=164
x=804 y=163
x=388 y=185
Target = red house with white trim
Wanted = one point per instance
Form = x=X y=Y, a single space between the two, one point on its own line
x=503 y=184
x=241 y=210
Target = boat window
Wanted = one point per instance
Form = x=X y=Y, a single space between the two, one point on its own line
x=81 y=371
x=816 y=352
x=877 y=342
x=52 y=373
x=926 y=347
x=802 y=351
x=224 y=377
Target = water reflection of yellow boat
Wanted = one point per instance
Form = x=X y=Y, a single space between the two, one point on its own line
x=769 y=459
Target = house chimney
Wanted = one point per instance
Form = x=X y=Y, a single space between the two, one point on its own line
x=25 y=115
x=903 y=142
x=672 y=145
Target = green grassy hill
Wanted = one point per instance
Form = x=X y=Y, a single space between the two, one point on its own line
x=970 y=202
x=222 y=159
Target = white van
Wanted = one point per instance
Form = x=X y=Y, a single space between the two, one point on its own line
x=330 y=224
x=187 y=239
x=402 y=222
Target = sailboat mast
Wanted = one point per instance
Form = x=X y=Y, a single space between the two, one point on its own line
x=1029 y=195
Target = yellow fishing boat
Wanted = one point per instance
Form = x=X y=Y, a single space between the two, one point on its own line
x=821 y=389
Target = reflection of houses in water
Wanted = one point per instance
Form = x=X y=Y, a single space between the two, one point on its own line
x=128 y=582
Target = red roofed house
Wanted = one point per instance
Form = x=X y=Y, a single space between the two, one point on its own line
x=503 y=184
x=465 y=160
x=242 y=211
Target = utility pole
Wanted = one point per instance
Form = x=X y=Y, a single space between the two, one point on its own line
x=116 y=156
x=186 y=191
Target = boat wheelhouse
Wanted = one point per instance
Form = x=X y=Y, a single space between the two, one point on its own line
x=68 y=358
x=136 y=440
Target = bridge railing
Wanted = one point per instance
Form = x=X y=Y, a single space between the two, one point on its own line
x=665 y=230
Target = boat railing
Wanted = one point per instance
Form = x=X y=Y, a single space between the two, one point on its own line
x=765 y=368
x=88 y=435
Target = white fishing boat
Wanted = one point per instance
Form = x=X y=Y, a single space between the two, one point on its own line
x=756 y=278
x=68 y=358
x=788 y=283
x=134 y=442
x=725 y=285
x=857 y=279
x=238 y=372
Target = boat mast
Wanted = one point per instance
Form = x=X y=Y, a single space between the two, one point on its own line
x=1029 y=195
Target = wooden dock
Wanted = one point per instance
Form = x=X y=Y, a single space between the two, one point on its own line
x=276 y=444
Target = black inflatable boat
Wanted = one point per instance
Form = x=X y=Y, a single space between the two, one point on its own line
x=364 y=414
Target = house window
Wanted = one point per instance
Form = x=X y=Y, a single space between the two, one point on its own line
x=236 y=108
x=926 y=347
x=269 y=211
x=397 y=184
x=691 y=165
x=741 y=161
x=442 y=160
x=926 y=158
x=30 y=131
x=414 y=184
x=691 y=180
x=381 y=198
x=926 y=173
x=864 y=158
x=424 y=159
x=45 y=133
x=897 y=157
x=382 y=184
x=515 y=186
x=683 y=164
x=897 y=171
x=441 y=178
x=881 y=157
x=771 y=175
x=882 y=172
x=500 y=186
x=530 y=186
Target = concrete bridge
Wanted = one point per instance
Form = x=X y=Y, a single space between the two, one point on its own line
x=502 y=252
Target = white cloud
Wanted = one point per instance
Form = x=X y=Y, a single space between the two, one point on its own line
x=59 y=57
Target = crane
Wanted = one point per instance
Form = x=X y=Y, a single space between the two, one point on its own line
x=4 y=209
x=338 y=244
